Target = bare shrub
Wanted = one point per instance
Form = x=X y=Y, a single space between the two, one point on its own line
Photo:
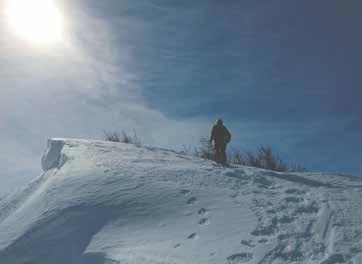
x=112 y=136
x=297 y=168
x=205 y=150
x=123 y=137
x=264 y=158
x=187 y=150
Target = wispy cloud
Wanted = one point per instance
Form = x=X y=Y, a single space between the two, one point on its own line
x=73 y=89
x=168 y=69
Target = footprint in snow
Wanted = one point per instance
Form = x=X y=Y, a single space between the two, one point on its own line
x=356 y=249
x=193 y=236
x=202 y=211
x=177 y=245
x=239 y=258
x=263 y=240
x=308 y=208
x=271 y=211
x=204 y=221
x=192 y=200
x=248 y=243
x=266 y=229
x=285 y=219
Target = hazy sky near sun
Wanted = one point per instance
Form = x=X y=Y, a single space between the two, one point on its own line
x=282 y=73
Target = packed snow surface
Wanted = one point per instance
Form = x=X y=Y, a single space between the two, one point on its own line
x=101 y=202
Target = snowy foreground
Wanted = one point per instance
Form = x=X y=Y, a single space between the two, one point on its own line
x=100 y=202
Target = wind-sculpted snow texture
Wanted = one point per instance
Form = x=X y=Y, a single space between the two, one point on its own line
x=101 y=203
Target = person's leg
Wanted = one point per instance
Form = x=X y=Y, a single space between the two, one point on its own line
x=217 y=153
x=223 y=157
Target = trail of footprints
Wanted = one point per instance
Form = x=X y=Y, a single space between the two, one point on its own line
x=277 y=222
x=270 y=224
x=201 y=212
x=273 y=222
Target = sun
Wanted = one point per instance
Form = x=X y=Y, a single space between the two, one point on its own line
x=38 y=21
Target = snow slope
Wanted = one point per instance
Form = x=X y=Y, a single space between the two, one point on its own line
x=101 y=202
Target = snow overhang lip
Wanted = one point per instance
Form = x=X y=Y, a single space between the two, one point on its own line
x=53 y=157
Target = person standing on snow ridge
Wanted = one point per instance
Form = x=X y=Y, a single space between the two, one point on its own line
x=221 y=136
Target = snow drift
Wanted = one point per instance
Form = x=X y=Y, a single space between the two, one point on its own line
x=100 y=202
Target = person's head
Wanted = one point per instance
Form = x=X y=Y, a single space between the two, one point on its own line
x=219 y=122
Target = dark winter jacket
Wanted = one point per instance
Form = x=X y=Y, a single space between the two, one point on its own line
x=220 y=134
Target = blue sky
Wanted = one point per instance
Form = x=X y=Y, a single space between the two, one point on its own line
x=281 y=73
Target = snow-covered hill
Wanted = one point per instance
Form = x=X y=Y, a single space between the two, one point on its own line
x=100 y=202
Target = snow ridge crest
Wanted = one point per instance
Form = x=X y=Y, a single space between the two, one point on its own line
x=53 y=156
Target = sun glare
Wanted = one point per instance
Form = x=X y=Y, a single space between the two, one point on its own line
x=38 y=21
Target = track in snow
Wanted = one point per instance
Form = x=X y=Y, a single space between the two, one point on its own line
x=102 y=203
